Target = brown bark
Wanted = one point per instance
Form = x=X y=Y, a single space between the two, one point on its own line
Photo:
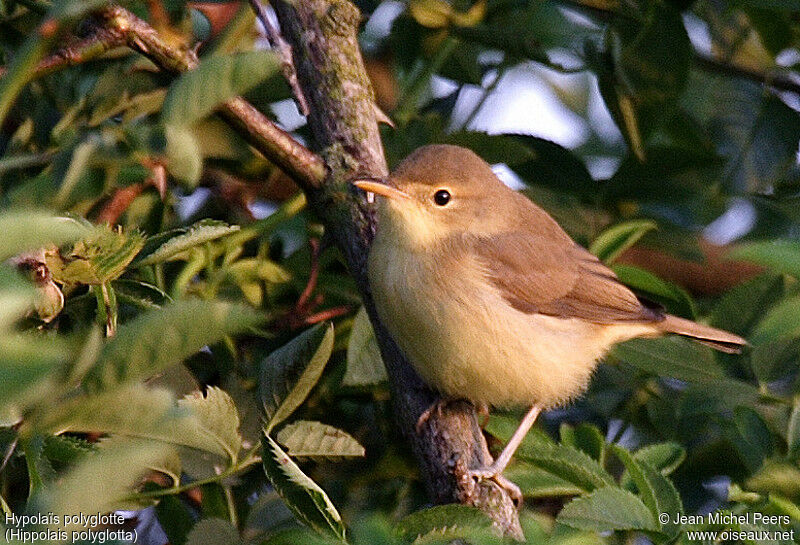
x=323 y=35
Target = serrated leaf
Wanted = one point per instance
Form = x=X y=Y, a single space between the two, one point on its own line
x=678 y=358
x=159 y=338
x=288 y=374
x=66 y=449
x=103 y=479
x=446 y=521
x=309 y=439
x=535 y=482
x=95 y=259
x=655 y=490
x=309 y=503
x=165 y=246
x=140 y=294
x=585 y=437
x=568 y=463
x=197 y=93
x=364 y=363
x=133 y=411
x=606 y=509
x=218 y=417
x=26 y=230
x=214 y=531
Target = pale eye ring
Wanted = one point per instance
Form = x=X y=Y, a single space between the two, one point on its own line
x=441 y=197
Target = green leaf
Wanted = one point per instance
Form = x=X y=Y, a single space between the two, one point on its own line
x=159 y=338
x=139 y=294
x=665 y=457
x=656 y=491
x=610 y=244
x=742 y=306
x=175 y=519
x=184 y=155
x=651 y=55
x=793 y=431
x=308 y=439
x=66 y=449
x=447 y=522
x=214 y=531
x=780 y=255
x=750 y=437
x=535 y=482
x=555 y=167
x=134 y=411
x=585 y=437
x=364 y=363
x=288 y=374
x=567 y=463
x=782 y=322
x=172 y=244
x=102 y=481
x=218 y=417
x=493 y=148
x=309 y=503
x=29 y=368
x=97 y=258
x=675 y=298
x=672 y=357
x=197 y=93
x=607 y=509
x=26 y=230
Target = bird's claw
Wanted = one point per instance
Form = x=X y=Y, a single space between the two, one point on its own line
x=489 y=473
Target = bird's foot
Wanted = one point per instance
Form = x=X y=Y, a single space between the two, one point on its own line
x=491 y=473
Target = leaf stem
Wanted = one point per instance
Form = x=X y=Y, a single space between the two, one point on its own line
x=248 y=461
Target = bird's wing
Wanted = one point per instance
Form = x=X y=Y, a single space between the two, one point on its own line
x=557 y=279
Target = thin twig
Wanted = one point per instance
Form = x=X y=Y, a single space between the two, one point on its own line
x=101 y=41
x=304 y=298
x=118 y=203
x=777 y=79
x=284 y=50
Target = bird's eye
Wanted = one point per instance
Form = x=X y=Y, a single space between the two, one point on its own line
x=441 y=197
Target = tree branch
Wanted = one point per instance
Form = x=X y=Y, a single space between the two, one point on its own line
x=323 y=34
x=305 y=167
x=97 y=44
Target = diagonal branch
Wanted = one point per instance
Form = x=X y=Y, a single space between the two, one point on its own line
x=304 y=166
x=284 y=51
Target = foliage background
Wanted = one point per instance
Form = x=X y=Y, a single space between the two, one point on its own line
x=215 y=274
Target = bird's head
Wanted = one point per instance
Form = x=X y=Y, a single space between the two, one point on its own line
x=437 y=192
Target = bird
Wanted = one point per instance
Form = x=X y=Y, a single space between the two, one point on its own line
x=490 y=299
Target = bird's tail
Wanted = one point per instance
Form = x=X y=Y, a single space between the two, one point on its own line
x=715 y=338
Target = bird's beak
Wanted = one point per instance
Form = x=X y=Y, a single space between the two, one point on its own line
x=381 y=188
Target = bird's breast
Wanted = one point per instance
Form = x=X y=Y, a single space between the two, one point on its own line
x=466 y=341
